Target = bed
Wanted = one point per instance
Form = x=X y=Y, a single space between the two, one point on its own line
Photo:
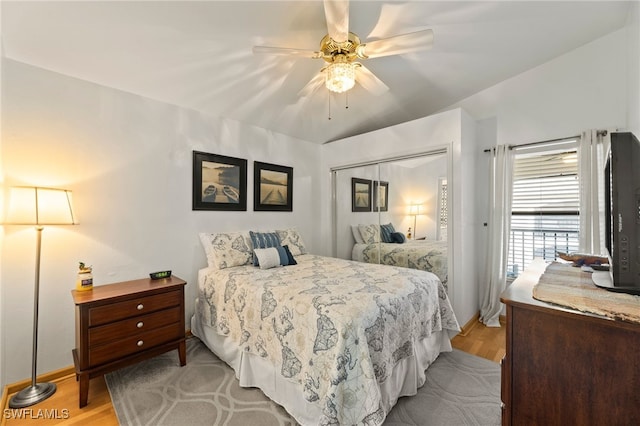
x=333 y=341
x=425 y=255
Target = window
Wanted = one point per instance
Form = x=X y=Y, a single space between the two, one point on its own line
x=545 y=211
x=442 y=209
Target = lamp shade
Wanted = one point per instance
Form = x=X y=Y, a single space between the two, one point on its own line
x=30 y=205
x=414 y=209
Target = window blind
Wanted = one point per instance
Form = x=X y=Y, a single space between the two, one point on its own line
x=546 y=184
x=545 y=207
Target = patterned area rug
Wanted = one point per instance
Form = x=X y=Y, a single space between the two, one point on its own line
x=461 y=389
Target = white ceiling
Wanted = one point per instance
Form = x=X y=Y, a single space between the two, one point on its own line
x=197 y=54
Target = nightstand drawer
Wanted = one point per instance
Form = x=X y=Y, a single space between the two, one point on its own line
x=132 y=326
x=141 y=342
x=133 y=307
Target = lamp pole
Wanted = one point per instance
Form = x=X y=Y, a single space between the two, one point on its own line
x=37 y=391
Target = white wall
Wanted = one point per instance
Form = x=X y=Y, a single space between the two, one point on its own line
x=2 y=345
x=128 y=161
x=585 y=88
x=452 y=130
x=633 y=69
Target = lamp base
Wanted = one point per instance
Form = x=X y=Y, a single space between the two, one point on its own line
x=32 y=395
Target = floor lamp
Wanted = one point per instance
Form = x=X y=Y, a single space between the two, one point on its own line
x=414 y=210
x=37 y=206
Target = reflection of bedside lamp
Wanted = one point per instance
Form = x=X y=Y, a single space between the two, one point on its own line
x=414 y=210
x=38 y=207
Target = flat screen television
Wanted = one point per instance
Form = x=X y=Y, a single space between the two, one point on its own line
x=622 y=215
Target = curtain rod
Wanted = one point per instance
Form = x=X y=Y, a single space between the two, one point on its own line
x=539 y=142
x=599 y=132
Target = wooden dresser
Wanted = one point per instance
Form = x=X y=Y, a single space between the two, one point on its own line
x=565 y=367
x=124 y=323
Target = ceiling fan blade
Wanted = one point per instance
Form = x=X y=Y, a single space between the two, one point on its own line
x=337 y=14
x=285 y=51
x=397 y=45
x=314 y=84
x=369 y=81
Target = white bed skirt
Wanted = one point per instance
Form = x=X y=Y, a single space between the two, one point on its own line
x=254 y=371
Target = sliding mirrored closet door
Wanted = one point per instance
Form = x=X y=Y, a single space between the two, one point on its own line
x=394 y=212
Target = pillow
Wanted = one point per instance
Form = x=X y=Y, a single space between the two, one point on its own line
x=274 y=256
x=398 y=237
x=292 y=261
x=385 y=232
x=356 y=234
x=262 y=240
x=370 y=233
x=225 y=250
x=291 y=238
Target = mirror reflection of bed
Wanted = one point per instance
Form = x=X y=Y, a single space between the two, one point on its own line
x=416 y=209
x=424 y=254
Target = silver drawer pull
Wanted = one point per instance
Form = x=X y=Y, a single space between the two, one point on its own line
x=140 y=324
x=140 y=343
x=140 y=307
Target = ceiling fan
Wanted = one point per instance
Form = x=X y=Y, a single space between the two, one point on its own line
x=341 y=49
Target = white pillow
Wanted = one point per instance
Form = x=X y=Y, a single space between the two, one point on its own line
x=271 y=257
x=291 y=237
x=356 y=234
x=370 y=233
x=225 y=250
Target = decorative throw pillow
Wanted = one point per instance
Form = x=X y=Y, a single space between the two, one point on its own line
x=225 y=250
x=291 y=238
x=356 y=234
x=370 y=233
x=274 y=256
x=398 y=237
x=385 y=232
x=262 y=240
x=292 y=260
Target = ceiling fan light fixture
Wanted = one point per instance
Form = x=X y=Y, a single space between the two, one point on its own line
x=340 y=76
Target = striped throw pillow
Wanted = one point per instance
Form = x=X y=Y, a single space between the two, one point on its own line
x=385 y=233
x=263 y=240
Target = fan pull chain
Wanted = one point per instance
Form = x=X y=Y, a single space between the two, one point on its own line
x=346 y=97
x=329 y=98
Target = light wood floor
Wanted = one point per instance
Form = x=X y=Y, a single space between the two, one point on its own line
x=62 y=407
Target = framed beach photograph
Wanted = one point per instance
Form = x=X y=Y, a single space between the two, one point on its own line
x=272 y=187
x=380 y=196
x=219 y=182
x=360 y=195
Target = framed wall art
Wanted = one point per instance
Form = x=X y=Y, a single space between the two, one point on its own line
x=380 y=196
x=360 y=195
x=272 y=187
x=219 y=182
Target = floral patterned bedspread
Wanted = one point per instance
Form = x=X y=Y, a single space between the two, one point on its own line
x=426 y=255
x=335 y=327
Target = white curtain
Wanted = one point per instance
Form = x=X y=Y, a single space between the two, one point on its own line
x=594 y=145
x=500 y=194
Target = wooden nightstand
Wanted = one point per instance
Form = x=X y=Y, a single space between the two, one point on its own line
x=124 y=323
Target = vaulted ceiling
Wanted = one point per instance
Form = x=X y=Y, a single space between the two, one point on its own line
x=198 y=54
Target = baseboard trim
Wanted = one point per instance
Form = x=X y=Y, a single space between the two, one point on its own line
x=51 y=376
x=474 y=321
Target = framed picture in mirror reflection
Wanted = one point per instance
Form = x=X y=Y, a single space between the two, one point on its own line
x=380 y=196
x=360 y=195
